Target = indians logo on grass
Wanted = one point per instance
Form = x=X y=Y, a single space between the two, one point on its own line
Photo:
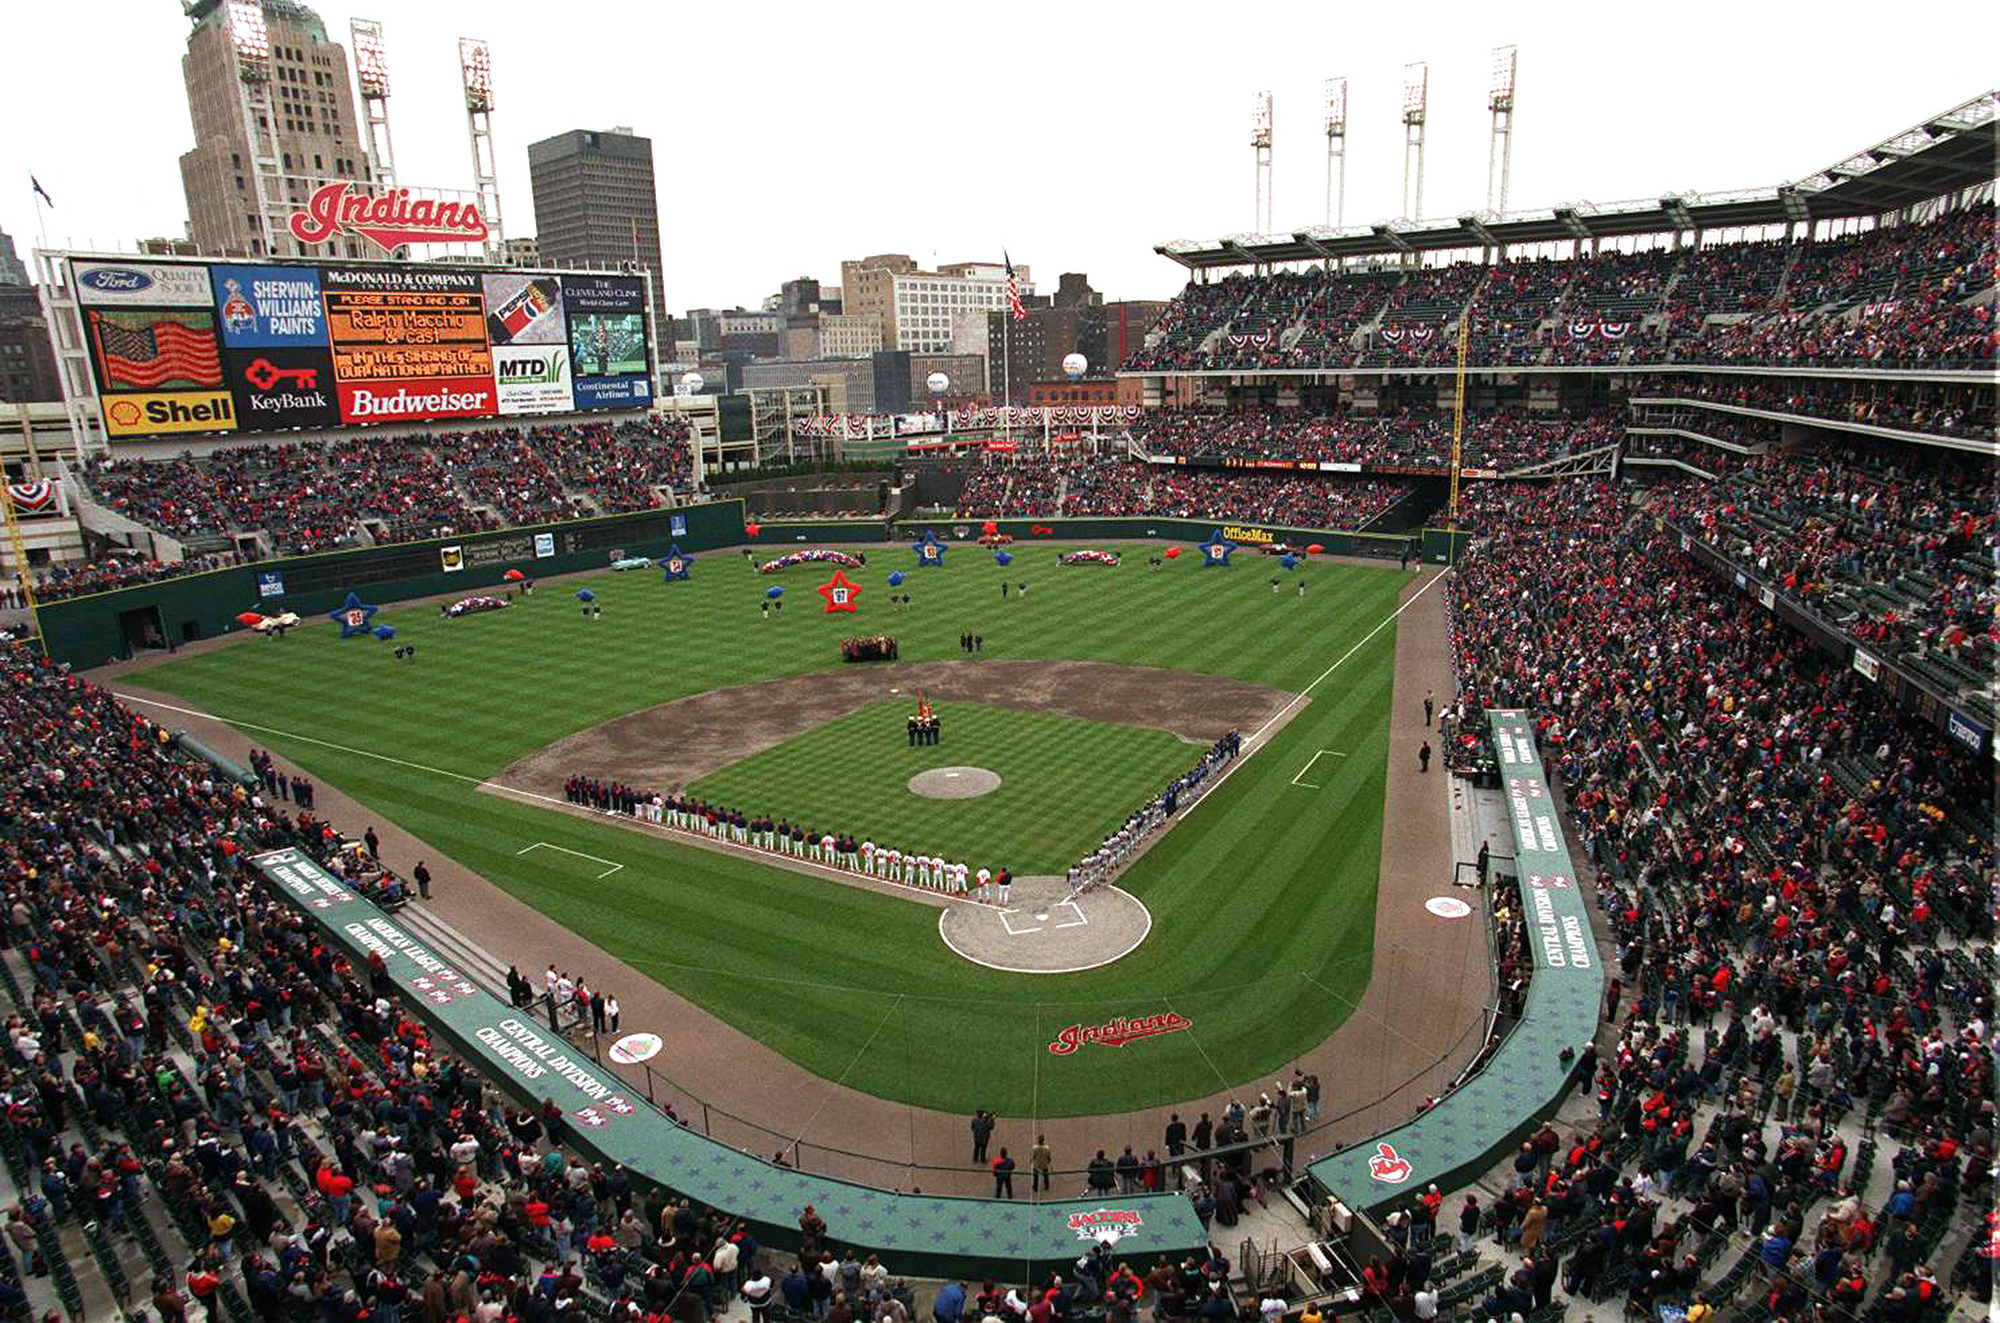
x=1105 y=1224
x=1117 y=1032
x=1388 y=1166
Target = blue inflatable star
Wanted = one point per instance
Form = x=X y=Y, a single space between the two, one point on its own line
x=1216 y=550
x=1289 y=561
x=930 y=551
x=675 y=563
x=1003 y=558
x=353 y=616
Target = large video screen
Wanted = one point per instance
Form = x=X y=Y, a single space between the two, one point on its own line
x=191 y=347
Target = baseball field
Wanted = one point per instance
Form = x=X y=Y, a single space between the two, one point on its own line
x=1087 y=695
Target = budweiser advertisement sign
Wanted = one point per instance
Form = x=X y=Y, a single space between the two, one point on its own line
x=1117 y=1032
x=388 y=220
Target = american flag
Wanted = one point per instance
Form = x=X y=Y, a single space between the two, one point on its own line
x=1013 y=290
x=145 y=355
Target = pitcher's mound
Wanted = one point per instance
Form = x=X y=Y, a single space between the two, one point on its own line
x=954 y=783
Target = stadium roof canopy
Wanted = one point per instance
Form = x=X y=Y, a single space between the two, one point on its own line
x=1946 y=153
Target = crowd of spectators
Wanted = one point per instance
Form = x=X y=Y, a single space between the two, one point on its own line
x=1501 y=438
x=64 y=580
x=1795 y=872
x=1898 y=547
x=1938 y=408
x=322 y=496
x=1899 y=295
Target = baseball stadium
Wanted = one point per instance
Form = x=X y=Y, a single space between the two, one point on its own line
x=1459 y=785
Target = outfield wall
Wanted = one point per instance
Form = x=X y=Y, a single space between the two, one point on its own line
x=1526 y=1079
x=97 y=628
x=91 y=630
x=923 y=1235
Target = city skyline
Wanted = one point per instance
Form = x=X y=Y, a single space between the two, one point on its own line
x=779 y=168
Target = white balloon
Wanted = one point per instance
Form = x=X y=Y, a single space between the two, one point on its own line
x=1074 y=365
x=938 y=382
x=694 y=381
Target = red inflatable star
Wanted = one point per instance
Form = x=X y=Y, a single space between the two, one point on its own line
x=840 y=594
x=753 y=529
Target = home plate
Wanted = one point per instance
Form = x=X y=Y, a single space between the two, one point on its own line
x=1051 y=931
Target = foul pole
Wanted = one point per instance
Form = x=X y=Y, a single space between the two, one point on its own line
x=1458 y=427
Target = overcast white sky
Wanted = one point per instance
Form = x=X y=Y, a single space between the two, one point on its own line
x=787 y=137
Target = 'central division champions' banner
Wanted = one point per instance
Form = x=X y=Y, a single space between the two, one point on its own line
x=188 y=347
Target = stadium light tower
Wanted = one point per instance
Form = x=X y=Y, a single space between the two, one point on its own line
x=251 y=42
x=371 y=75
x=1500 y=100
x=1336 y=151
x=1416 y=94
x=1260 y=146
x=475 y=66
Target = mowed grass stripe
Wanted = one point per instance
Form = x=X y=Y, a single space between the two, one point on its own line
x=1261 y=885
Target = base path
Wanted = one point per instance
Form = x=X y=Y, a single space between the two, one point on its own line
x=668 y=746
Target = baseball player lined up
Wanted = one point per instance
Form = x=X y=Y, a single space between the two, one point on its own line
x=792 y=840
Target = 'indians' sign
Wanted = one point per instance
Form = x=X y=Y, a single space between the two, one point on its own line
x=1109 y=1225
x=1117 y=1032
x=389 y=220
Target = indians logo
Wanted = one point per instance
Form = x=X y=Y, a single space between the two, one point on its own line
x=1388 y=1166
x=1117 y=1032
x=388 y=220
x=1105 y=1224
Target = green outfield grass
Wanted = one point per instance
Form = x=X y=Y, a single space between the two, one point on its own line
x=1263 y=898
x=1065 y=783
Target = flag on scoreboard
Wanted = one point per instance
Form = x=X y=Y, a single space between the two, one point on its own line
x=1013 y=290
x=145 y=355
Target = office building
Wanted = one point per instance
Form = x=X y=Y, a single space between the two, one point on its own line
x=913 y=307
x=309 y=114
x=13 y=271
x=595 y=204
x=27 y=363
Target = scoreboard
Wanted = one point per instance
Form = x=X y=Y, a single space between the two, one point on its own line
x=204 y=347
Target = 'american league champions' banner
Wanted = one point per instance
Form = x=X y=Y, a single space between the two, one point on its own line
x=213 y=347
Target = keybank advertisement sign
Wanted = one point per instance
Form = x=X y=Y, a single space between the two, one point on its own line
x=532 y=379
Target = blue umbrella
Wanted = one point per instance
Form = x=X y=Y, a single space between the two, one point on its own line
x=895 y=578
x=385 y=632
x=585 y=595
x=774 y=592
x=1003 y=558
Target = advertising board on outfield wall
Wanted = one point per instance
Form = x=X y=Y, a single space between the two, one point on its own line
x=214 y=347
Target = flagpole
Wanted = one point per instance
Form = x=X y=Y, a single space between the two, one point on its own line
x=1007 y=373
x=41 y=217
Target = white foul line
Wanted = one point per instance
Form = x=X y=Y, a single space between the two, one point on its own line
x=545 y=845
x=1317 y=754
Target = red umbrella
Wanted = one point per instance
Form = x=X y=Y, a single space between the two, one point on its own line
x=1173 y=553
x=248 y=618
x=1315 y=548
x=514 y=576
